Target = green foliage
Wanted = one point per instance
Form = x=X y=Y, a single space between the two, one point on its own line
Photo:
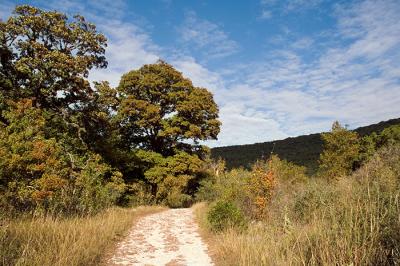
x=371 y=143
x=302 y=150
x=288 y=172
x=40 y=173
x=170 y=177
x=251 y=191
x=389 y=136
x=44 y=55
x=91 y=148
x=157 y=112
x=368 y=147
x=227 y=186
x=224 y=214
x=341 y=151
x=159 y=109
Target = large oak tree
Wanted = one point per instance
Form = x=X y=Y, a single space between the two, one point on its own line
x=162 y=111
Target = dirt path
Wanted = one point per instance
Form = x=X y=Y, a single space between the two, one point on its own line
x=167 y=238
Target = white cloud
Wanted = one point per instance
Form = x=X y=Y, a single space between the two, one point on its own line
x=356 y=83
x=293 y=5
x=128 y=48
x=198 y=74
x=269 y=7
x=302 y=43
x=266 y=14
x=206 y=36
x=244 y=125
x=240 y=123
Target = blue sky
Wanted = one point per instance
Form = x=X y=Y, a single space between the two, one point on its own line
x=277 y=68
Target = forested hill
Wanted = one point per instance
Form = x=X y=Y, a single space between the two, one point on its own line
x=302 y=150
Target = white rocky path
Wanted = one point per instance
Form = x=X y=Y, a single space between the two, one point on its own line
x=167 y=238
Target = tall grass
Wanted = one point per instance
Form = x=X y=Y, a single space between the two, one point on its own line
x=65 y=241
x=351 y=221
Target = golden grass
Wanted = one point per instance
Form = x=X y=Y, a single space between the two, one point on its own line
x=200 y=211
x=66 y=241
x=352 y=221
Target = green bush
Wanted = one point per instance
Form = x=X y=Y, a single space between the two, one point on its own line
x=224 y=214
x=176 y=199
x=49 y=176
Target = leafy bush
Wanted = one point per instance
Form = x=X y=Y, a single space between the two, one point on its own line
x=260 y=188
x=341 y=151
x=287 y=172
x=224 y=214
x=42 y=174
x=252 y=191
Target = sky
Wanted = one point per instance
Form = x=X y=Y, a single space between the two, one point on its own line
x=277 y=68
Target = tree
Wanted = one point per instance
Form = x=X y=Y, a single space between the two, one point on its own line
x=161 y=111
x=46 y=57
x=341 y=150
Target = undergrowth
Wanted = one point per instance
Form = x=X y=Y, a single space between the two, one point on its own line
x=354 y=220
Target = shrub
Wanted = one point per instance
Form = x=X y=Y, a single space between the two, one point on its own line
x=137 y=194
x=287 y=172
x=260 y=188
x=176 y=199
x=224 y=214
x=38 y=173
x=341 y=151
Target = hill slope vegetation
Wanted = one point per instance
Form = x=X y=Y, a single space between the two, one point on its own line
x=301 y=150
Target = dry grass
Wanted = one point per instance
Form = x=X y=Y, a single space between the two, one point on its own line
x=352 y=221
x=67 y=241
x=200 y=211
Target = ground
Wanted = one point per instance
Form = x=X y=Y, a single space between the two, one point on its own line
x=167 y=238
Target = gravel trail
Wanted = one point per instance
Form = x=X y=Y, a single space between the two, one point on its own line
x=167 y=238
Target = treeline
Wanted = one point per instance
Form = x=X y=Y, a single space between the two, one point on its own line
x=67 y=147
x=301 y=150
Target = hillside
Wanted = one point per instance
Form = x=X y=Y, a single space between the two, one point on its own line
x=302 y=150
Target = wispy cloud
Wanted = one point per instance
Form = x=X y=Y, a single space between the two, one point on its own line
x=206 y=36
x=129 y=47
x=240 y=123
x=265 y=14
x=357 y=83
x=269 y=8
x=302 y=43
x=291 y=5
x=199 y=74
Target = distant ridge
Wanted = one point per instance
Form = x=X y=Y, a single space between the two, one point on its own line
x=302 y=150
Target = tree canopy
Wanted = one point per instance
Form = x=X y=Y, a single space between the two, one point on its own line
x=47 y=57
x=160 y=109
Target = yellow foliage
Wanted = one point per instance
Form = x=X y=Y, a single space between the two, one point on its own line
x=260 y=187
